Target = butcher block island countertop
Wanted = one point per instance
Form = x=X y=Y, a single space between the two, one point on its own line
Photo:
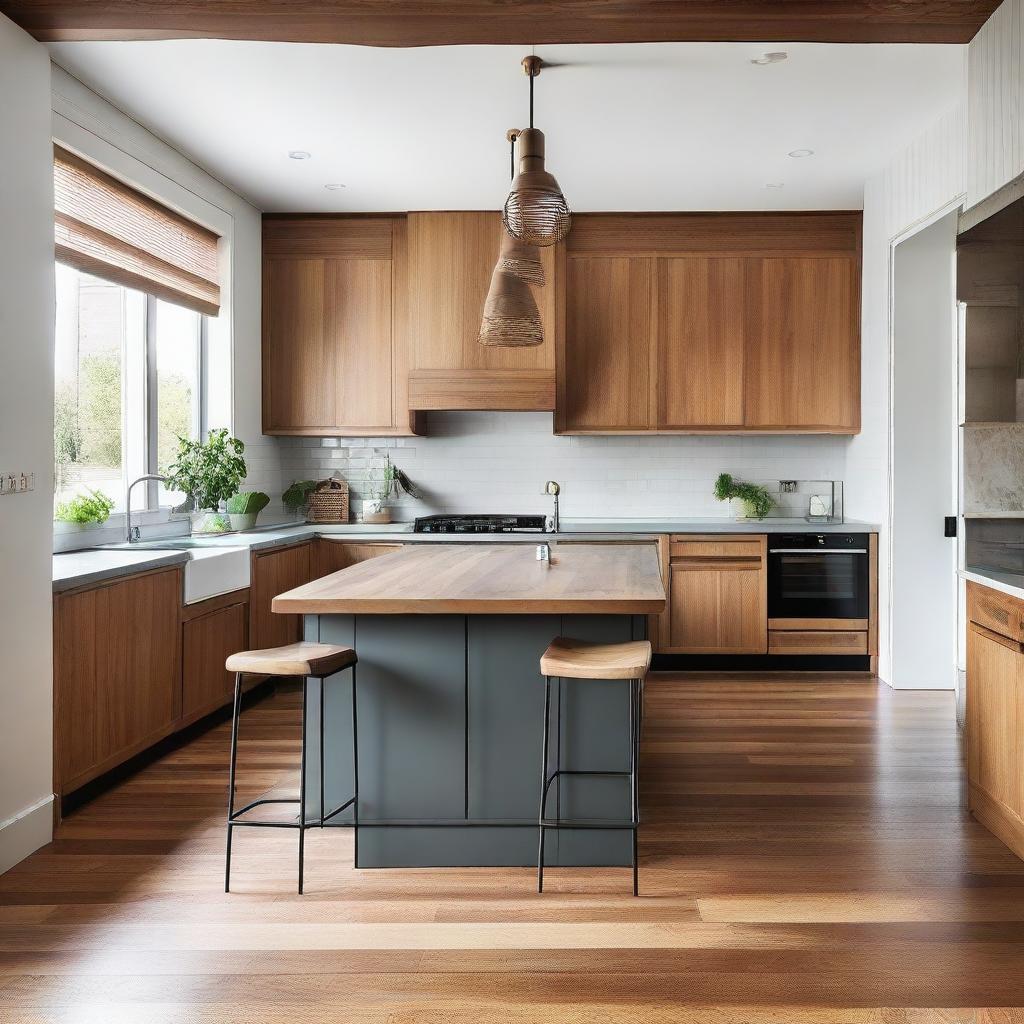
x=497 y=579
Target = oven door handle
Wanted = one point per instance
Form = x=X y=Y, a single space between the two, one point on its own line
x=817 y=551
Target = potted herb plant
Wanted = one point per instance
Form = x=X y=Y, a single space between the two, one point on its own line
x=388 y=481
x=755 y=501
x=210 y=471
x=296 y=498
x=244 y=507
x=85 y=511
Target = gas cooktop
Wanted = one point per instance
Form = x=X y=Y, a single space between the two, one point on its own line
x=480 y=524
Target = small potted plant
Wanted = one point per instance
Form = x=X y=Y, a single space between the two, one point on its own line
x=244 y=507
x=296 y=498
x=85 y=511
x=755 y=501
x=210 y=471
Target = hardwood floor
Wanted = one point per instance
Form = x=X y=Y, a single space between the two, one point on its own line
x=806 y=856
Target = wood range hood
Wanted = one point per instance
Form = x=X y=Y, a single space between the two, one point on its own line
x=529 y=22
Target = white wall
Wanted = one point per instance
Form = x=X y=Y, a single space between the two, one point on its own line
x=924 y=484
x=89 y=125
x=918 y=182
x=995 y=102
x=26 y=444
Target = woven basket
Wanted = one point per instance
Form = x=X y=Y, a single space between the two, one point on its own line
x=329 y=502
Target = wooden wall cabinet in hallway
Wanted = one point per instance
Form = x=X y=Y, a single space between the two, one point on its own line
x=995 y=713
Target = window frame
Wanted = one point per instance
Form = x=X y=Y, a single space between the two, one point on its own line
x=141 y=457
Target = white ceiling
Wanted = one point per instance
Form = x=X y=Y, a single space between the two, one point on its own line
x=659 y=126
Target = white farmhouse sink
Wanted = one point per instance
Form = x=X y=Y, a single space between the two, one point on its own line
x=213 y=571
x=209 y=570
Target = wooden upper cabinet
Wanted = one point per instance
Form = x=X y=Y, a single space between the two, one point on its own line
x=607 y=380
x=752 y=324
x=451 y=259
x=700 y=342
x=334 y=345
x=803 y=352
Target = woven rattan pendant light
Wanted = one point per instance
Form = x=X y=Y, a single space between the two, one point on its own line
x=511 y=318
x=520 y=259
x=536 y=211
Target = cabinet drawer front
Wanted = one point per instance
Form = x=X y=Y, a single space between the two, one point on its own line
x=996 y=611
x=682 y=546
x=820 y=641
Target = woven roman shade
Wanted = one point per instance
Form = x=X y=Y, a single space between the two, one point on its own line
x=106 y=228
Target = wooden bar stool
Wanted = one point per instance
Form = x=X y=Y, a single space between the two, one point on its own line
x=580 y=659
x=307 y=660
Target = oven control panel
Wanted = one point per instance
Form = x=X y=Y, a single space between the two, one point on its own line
x=817 y=541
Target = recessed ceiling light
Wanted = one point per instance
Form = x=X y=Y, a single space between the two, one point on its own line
x=775 y=185
x=801 y=152
x=334 y=186
x=776 y=57
x=299 y=154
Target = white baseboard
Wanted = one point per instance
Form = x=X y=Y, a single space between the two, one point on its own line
x=25 y=832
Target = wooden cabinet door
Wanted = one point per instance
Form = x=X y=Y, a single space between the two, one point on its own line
x=333 y=326
x=331 y=555
x=75 y=632
x=995 y=722
x=803 y=354
x=451 y=259
x=700 y=342
x=117 y=673
x=274 y=572
x=138 y=693
x=609 y=344
x=206 y=642
x=719 y=595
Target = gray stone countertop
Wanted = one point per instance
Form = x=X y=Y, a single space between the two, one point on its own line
x=80 y=568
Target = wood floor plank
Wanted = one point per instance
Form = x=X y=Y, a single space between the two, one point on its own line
x=806 y=858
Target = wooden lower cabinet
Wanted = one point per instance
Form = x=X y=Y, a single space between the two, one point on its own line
x=332 y=555
x=117 y=673
x=718 y=595
x=995 y=716
x=274 y=572
x=206 y=641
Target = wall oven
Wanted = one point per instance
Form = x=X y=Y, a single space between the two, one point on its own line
x=818 y=576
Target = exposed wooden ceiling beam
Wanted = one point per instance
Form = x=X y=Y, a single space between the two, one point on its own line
x=439 y=22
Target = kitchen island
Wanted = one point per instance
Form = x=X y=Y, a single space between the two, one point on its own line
x=450 y=700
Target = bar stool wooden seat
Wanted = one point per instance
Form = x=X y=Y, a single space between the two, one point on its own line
x=627 y=662
x=305 y=660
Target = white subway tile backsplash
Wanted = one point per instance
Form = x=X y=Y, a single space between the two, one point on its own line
x=498 y=462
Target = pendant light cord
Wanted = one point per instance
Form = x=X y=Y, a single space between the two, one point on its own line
x=531 y=100
x=512 y=159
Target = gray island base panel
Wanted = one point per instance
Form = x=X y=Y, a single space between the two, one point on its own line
x=449 y=711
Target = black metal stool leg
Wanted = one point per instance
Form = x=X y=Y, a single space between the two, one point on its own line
x=323 y=754
x=231 y=777
x=635 y=713
x=302 y=786
x=355 y=777
x=543 y=784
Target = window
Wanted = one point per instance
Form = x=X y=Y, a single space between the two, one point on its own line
x=129 y=383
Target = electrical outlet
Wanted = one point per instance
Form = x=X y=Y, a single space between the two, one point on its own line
x=17 y=483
